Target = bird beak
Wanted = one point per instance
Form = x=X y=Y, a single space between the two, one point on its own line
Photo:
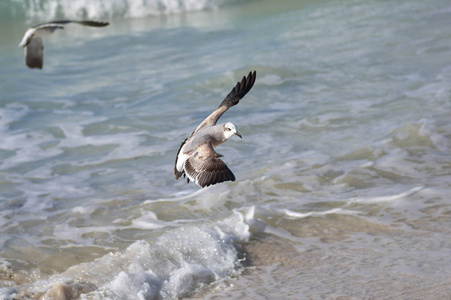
x=238 y=134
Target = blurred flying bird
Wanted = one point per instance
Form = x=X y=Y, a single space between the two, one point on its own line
x=196 y=158
x=32 y=40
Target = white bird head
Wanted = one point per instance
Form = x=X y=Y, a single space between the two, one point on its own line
x=230 y=130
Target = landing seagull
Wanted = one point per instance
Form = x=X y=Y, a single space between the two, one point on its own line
x=32 y=40
x=196 y=158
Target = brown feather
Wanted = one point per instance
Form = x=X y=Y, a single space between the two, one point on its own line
x=207 y=168
x=35 y=53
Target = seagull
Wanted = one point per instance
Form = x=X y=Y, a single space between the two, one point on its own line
x=32 y=40
x=196 y=158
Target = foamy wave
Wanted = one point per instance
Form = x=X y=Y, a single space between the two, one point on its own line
x=179 y=262
x=51 y=9
x=388 y=198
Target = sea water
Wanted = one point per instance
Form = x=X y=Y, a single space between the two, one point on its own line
x=343 y=173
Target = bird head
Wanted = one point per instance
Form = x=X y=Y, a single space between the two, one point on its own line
x=230 y=130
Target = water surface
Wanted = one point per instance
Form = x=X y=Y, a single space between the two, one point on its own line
x=343 y=173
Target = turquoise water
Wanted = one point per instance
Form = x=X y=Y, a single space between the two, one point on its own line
x=343 y=173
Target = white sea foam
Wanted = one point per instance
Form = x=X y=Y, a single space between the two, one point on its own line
x=177 y=263
x=387 y=198
x=148 y=220
x=271 y=211
x=50 y=9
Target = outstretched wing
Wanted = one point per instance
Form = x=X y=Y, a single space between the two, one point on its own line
x=205 y=168
x=34 y=53
x=233 y=98
x=82 y=22
x=38 y=31
x=46 y=29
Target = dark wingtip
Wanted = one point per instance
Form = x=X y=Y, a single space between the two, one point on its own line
x=240 y=90
x=94 y=23
x=178 y=174
x=82 y=22
x=215 y=178
x=34 y=65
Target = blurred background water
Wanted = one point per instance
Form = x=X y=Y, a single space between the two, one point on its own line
x=343 y=173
